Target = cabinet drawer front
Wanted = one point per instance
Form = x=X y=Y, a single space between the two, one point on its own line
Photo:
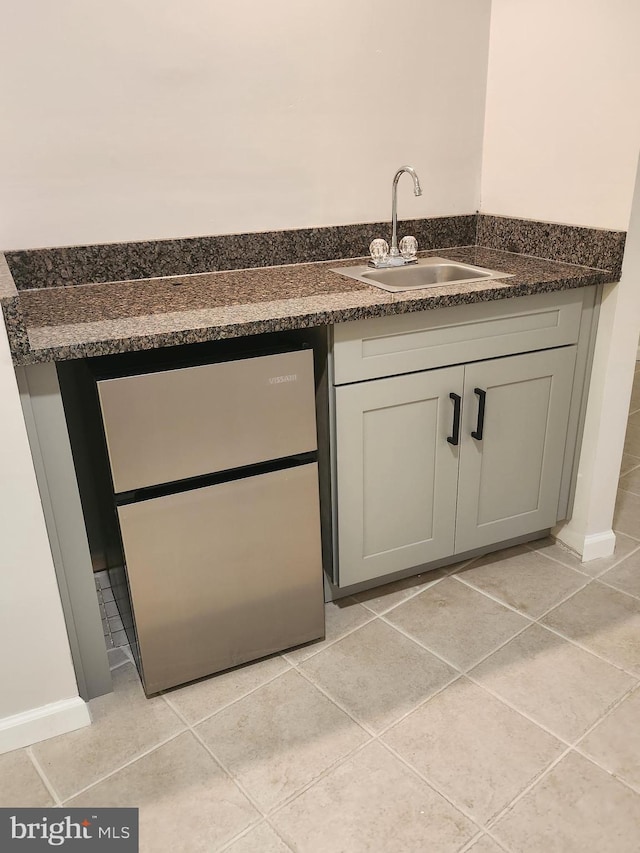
x=175 y=424
x=387 y=346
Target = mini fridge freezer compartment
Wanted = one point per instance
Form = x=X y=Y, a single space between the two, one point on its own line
x=177 y=424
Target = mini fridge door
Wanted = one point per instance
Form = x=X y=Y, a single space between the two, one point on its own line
x=176 y=424
x=224 y=574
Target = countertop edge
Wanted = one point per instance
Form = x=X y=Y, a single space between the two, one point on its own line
x=12 y=314
x=23 y=353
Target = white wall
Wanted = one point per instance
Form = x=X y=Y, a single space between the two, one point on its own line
x=139 y=119
x=36 y=672
x=562 y=136
x=562 y=128
x=590 y=529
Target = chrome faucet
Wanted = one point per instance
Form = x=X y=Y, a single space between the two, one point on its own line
x=381 y=255
x=417 y=190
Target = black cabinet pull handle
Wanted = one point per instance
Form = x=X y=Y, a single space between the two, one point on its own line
x=477 y=432
x=455 y=437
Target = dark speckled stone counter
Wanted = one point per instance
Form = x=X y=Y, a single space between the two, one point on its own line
x=60 y=267
x=66 y=322
x=10 y=308
x=591 y=247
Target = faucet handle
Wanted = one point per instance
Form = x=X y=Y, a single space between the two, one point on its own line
x=409 y=248
x=379 y=251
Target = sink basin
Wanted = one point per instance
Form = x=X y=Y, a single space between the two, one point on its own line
x=427 y=272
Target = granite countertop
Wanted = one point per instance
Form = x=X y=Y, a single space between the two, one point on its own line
x=59 y=323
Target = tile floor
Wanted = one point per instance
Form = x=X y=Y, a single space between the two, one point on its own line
x=493 y=706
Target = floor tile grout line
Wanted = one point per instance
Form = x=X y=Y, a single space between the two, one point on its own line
x=448 y=571
x=615 y=565
x=330 y=643
x=336 y=764
x=231 y=841
x=220 y=764
x=509 y=704
x=580 y=751
x=459 y=669
x=532 y=621
x=587 y=574
x=559 y=562
x=365 y=726
x=549 y=769
x=274 y=810
x=342 y=759
x=468 y=845
x=422 y=645
x=589 y=651
x=537 y=619
x=231 y=702
x=531 y=618
x=43 y=776
x=635 y=537
x=368 y=729
x=633 y=494
x=493 y=598
x=569 y=744
x=633 y=595
x=123 y=766
x=279 y=834
x=499 y=648
x=423 y=588
x=420 y=704
x=572 y=749
x=536 y=548
x=501 y=845
x=462 y=809
x=231 y=776
x=613 y=707
x=627 y=491
x=562 y=601
x=372 y=735
x=264 y=821
x=633 y=467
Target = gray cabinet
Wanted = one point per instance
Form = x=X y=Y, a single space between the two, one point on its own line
x=509 y=480
x=407 y=491
x=408 y=496
x=396 y=473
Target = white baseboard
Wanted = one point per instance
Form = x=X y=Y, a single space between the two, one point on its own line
x=598 y=545
x=44 y=722
x=591 y=547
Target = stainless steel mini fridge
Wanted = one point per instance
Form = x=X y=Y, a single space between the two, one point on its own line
x=214 y=469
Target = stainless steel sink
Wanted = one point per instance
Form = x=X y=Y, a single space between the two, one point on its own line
x=427 y=272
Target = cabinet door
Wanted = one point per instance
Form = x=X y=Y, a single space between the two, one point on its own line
x=509 y=479
x=396 y=473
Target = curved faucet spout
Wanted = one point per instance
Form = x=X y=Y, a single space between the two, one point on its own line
x=417 y=190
